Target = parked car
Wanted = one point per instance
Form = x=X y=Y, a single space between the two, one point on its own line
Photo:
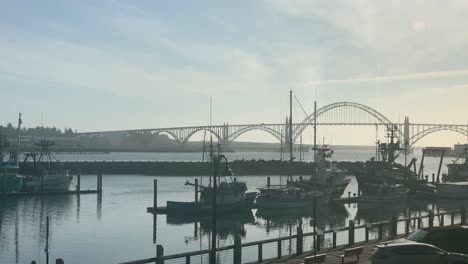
x=450 y=238
x=413 y=252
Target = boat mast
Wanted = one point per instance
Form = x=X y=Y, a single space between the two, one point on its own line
x=315 y=129
x=18 y=146
x=290 y=128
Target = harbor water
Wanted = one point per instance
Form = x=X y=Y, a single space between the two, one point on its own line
x=115 y=227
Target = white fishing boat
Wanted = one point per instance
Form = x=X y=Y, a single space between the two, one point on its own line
x=49 y=174
x=453 y=190
x=382 y=193
x=290 y=197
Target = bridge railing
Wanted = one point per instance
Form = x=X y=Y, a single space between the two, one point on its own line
x=297 y=244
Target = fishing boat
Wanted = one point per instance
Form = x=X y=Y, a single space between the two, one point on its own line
x=452 y=190
x=49 y=174
x=327 y=177
x=230 y=195
x=290 y=197
x=382 y=193
x=10 y=180
x=458 y=171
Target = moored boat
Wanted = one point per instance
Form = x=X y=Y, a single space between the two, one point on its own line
x=452 y=190
x=10 y=180
x=46 y=177
x=382 y=193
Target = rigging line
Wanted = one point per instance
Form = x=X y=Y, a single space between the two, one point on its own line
x=297 y=100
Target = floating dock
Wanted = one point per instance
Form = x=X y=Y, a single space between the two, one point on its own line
x=48 y=193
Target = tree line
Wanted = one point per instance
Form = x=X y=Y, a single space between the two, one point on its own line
x=10 y=130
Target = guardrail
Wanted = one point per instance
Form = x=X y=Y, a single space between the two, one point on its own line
x=298 y=239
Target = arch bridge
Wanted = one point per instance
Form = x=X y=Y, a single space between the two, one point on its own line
x=335 y=114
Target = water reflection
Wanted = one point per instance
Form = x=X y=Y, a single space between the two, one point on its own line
x=23 y=223
x=326 y=217
x=226 y=224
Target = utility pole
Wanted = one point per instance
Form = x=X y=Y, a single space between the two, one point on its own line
x=291 y=158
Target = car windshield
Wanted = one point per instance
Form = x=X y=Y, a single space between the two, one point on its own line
x=418 y=236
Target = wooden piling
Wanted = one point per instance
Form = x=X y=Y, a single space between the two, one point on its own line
x=196 y=190
x=155 y=196
x=463 y=216
x=78 y=183
x=431 y=218
x=237 y=250
x=268 y=182
x=433 y=177
x=260 y=252
x=351 y=233
x=159 y=254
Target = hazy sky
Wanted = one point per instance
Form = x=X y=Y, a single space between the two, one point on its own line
x=105 y=65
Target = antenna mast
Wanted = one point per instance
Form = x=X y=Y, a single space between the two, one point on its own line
x=291 y=158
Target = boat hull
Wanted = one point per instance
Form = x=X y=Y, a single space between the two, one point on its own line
x=51 y=182
x=10 y=183
x=203 y=208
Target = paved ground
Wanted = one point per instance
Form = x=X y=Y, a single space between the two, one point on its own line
x=332 y=255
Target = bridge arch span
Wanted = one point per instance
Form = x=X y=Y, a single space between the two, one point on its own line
x=431 y=130
x=193 y=132
x=244 y=130
x=170 y=133
x=309 y=120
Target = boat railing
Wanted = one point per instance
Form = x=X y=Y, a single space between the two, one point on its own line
x=297 y=244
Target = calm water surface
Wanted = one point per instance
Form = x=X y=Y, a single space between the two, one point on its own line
x=115 y=227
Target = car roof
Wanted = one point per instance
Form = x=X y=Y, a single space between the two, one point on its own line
x=402 y=244
x=444 y=228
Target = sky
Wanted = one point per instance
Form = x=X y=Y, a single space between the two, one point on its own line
x=113 y=65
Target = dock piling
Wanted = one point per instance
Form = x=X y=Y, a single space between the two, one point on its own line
x=237 y=250
x=268 y=182
x=155 y=196
x=260 y=252
x=196 y=190
x=159 y=254
x=431 y=218
x=351 y=233
x=433 y=177
x=78 y=183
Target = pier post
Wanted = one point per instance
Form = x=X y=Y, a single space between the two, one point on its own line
x=196 y=190
x=452 y=218
x=155 y=196
x=394 y=226
x=279 y=249
x=433 y=177
x=334 y=238
x=299 y=241
x=351 y=233
x=260 y=252
x=159 y=254
x=427 y=178
x=431 y=218
x=407 y=226
x=268 y=182
x=368 y=226
x=463 y=215
x=442 y=220
x=59 y=261
x=78 y=183
x=237 y=250
x=380 y=232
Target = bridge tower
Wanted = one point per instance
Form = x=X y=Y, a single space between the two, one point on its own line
x=286 y=136
x=225 y=134
x=406 y=133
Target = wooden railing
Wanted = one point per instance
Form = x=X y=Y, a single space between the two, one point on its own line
x=392 y=228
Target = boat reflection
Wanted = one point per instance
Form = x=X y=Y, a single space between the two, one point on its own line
x=327 y=217
x=226 y=224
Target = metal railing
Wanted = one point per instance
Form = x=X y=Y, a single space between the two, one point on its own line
x=384 y=229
